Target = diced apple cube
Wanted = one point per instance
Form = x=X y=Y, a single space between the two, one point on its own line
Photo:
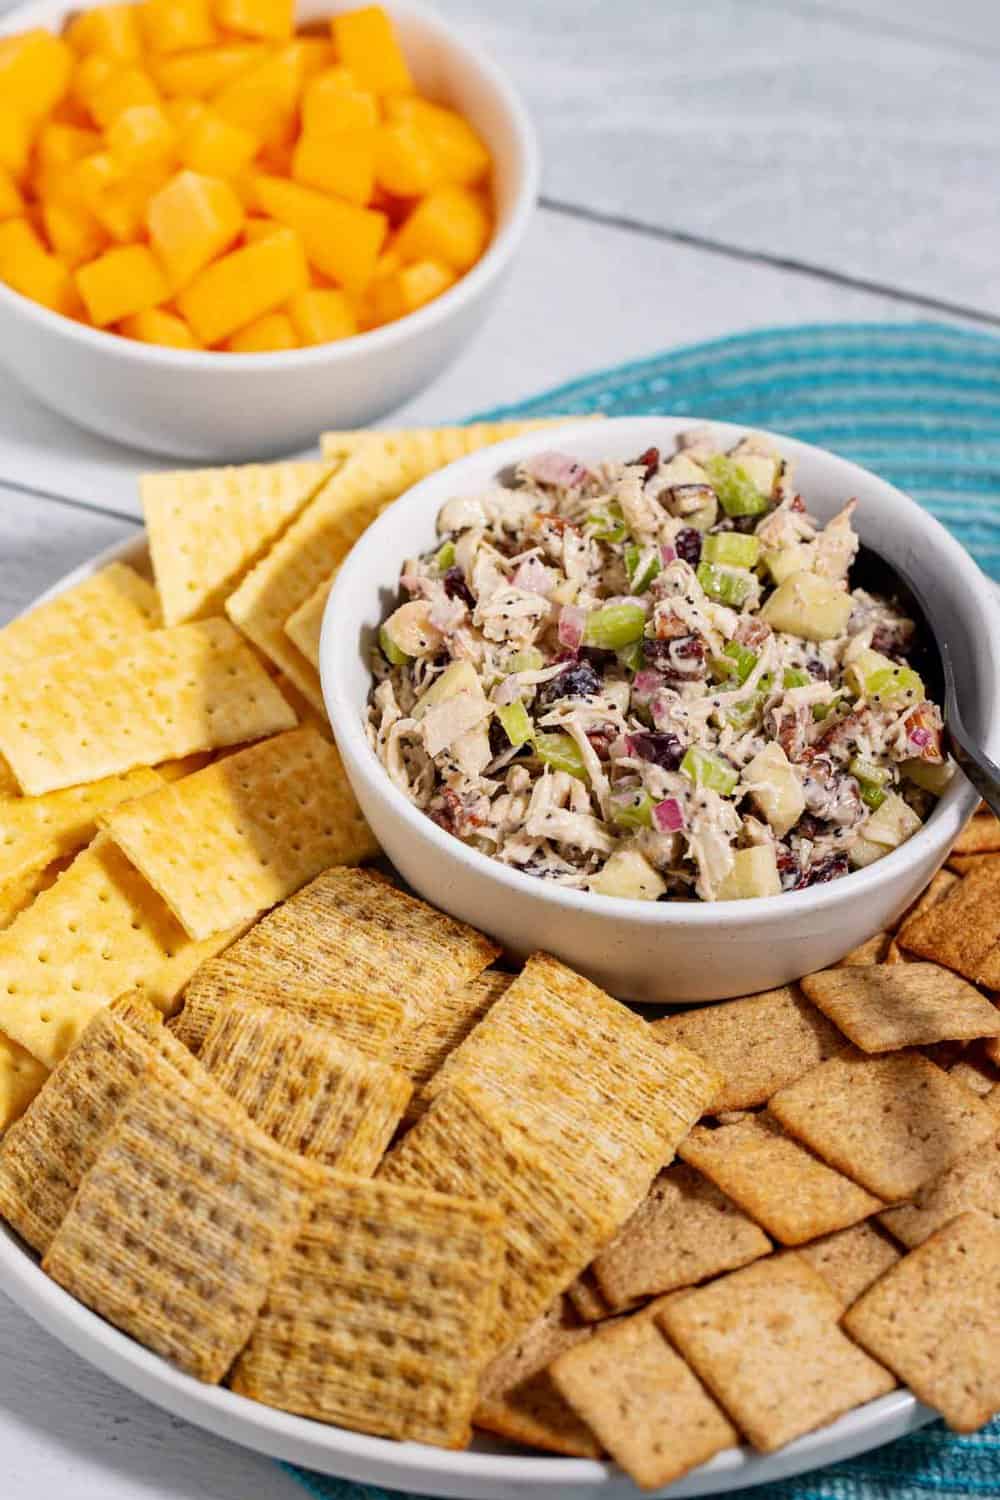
x=170 y=26
x=109 y=30
x=754 y=872
x=451 y=225
x=865 y=852
x=272 y=20
x=27 y=266
x=892 y=823
x=782 y=562
x=340 y=239
x=930 y=776
x=629 y=876
x=809 y=606
x=459 y=677
x=191 y=221
x=268 y=335
x=158 y=326
x=341 y=164
x=773 y=785
x=321 y=316
x=367 y=44
x=122 y=281
x=242 y=286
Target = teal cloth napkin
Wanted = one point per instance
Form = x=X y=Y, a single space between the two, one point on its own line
x=919 y=404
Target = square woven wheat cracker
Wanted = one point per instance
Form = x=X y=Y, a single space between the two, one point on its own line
x=646 y=1406
x=935 y=1320
x=685 y=1231
x=970 y=1183
x=305 y=626
x=465 y=1146
x=942 y=883
x=963 y=931
x=873 y=951
x=889 y=1122
x=21 y=1077
x=758 y=1044
x=588 y=1301
x=109 y=609
x=975 y=1071
x=420 y=1050
x=35 y=831
x=889 y=1006
x=766 y=1342
x=223 y=845
x=186 y=1216
x=378 y=1318
x=366 y=1022
x=962 y=864
x=585 y=1077
x=981 y=835
x=851 y=1260
x=44 y=1156
x=206 y=527
x=312 y=1093
x=100 y=711
x=98 y=931
x=792 y=1194
x=517 y=1399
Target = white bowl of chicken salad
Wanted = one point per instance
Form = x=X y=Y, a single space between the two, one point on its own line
x=616 y=691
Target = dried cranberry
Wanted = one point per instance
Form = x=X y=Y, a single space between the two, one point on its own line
x=456 y=587
x=650 y=461
x=660 y=749
x=830 y=868
x=602 y=739
x=680 y=660
x=816 y=669
x=809 y=827
x=687 y=545
x=577 y=681
x=893 y=640
x=596 y=656
x=448 y=814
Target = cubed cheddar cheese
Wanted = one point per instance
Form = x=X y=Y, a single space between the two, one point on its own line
x=255 y=230
x=121 y=282
x=119 y=200
x=405 y=161
x=450 y=225
x=30 y=269
x=16 y=133
x=216 y=147
x=89 y=75
x=59 y=145
x=73 y=232
x=367 y=44
x=268 y=335
x=242 y=286
x=264 y=98
x=11 y=197
x=403 y=291
x=142 y=136
x=191 y=220
x=272 y=20
x=197 y=75
x=157 y=325
x=317 y=55
x=123 y=89
x=35 y=72
x=182 y=113
x=460 y=154
x=322 y=316
x=333 y=102
x=341 y=164
x=170 y=26
x=340 y=239
x=110 y=31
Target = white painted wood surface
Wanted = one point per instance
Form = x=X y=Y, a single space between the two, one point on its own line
x=860 y=140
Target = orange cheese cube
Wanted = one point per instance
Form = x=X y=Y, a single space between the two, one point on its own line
x=410 y=287
x=72 y=231
x=405 y=161
x=90 y=74
x=277 y=159
x=255 y=230
x=117 y=199
x=450 y=225
x=125 y=88
x=216 y=146
x=243 y=286
x=16 y=133
x=121 y=282
x=342 y=164
x=35 y=72
x=366 y=43
x=27 y=266
x=158 y=326
x=340 y=239
x=11 y=199
x=264 y=99
x=333 y=102
x=272 y=19
x=317 y=55
x=461 y=155
x=192 y=220
x=182 y=113
x=266 y=336
x=177 y=25
x=59 y=145
x=196 y=75
x=321 y=317
x=142 y=137
x=109 y=30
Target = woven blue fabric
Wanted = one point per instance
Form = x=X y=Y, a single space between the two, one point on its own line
x=918 y=403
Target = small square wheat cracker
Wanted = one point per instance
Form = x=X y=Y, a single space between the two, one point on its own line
x=850 y=1260
x=185 y=1217
x=889 y=1006
x=377 y=1320
x=766 y=1342
x=97 y=711
x=889 y=1122
x=971 y=1182
x=517 y=1399
x=366 y=1022
x=421 y=1049
x=774 y=1179
x=935 y=1320
x=226 y=843
x=963 y=931
x=758 y=1044
x=310 y=1092
x=647 y=1407
x=684 y=1232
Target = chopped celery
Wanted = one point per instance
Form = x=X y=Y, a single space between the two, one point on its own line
x=390 y=650
x=614 y=627
x=895 y=682
x=736 y=663
x=445 y=557
x=820 y=711
x=794 y=677
x=630 y=657
x=632 y=810
x=725 y=586
x=867 y=770
x=528 y=660
x=608 y=523
x=742 y=714
x=562 y=753
x=708 y=770
x=738 y=495
x=731 y=548
x=642 y=565
x=872 y=796
x=517 y=725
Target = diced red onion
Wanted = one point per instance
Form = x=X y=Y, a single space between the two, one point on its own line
x=572 y=620
x=920 y=737
x=534 y=577
x=555 y=468
x=668 y=815
x=668 y=554
x=646 y=682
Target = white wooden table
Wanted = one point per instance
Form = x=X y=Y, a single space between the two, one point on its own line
x=708 y=168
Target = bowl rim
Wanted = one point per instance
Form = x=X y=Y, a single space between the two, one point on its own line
x=526 y=162
x=941 y=827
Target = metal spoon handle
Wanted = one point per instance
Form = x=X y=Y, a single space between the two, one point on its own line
x=976 y=765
